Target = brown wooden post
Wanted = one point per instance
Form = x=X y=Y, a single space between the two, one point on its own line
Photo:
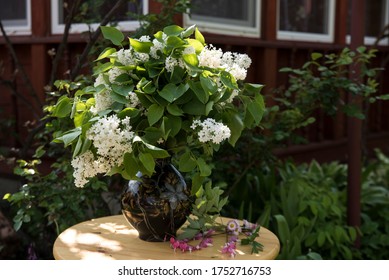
x=269 y=33
x=40 y=18
x=355 y=125
x=339 y=121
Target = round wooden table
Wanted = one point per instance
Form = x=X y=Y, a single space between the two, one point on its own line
x=114 y=238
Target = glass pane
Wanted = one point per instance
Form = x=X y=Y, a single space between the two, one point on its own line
x=225 y=11
x=304 y=16
x=13 y=13
x=93 y=11
x=375 y=17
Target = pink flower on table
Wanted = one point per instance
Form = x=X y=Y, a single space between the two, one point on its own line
x=174 y=243
x=248 y=225
x=206 y=242
x=233 y=238
x=229 y=248
x=184 y=246
x=233 y=227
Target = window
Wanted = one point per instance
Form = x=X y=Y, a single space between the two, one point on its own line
x=229 y=17
x=377 y=17
x=306 y=20
x=16 y=16
x=93 y=11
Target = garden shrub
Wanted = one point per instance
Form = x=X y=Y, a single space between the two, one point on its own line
x=305 y=205
x=48 y=203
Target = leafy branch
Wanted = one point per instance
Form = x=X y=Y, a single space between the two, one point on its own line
x=206 y=210
x=250 y=240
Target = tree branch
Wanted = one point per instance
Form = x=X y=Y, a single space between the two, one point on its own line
x=20 y=67
x=61 y=47
x=26 y=102
x=75 y=71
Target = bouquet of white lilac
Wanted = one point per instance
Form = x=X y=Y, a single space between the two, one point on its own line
x=167 y=97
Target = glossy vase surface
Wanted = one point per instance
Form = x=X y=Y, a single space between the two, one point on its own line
x=157 y=206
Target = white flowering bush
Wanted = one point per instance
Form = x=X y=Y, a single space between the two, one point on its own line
x=169 y=96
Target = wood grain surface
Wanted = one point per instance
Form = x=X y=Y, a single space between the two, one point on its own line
x=114 y=238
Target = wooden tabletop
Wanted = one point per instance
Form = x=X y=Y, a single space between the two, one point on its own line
x=114 y=238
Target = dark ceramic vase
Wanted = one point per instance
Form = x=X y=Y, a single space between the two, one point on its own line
x=157 y=206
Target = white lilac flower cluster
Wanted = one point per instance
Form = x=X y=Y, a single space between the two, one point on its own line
x=211 y=130
x=112 y=138
x=103 y=99
x=234 y=63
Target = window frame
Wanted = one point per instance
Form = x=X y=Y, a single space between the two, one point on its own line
x=370 y=40
x=306 y=36
x=228 y=28
x=15 y=30
x=58 y=28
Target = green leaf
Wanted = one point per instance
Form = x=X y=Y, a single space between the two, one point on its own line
x=197 y=181
x=123 y=90
x=314 y=256
x=254 y=89
x=171 y=92
x=86 y=145
x=197 y=45
x=283 y=229
x=174 y=110
x=187 y=233
x=18 y=225
x=321 y=238
x=383 y=97
x=63 y=107
x=78 y=147
x=361 y=49
x=106 y=53
x=196 y=87
x=316 y=56
x=205 y=169
x=141 y=47
x=188 y=31
x=124 y=79
x=199 y=37
x=128 y=112
x=101 y=68
x=187 y=163
x=69 y=137
x=155 y=113
x=168 y=92
x=257 y=108
x=39 y=152
x=191 y=60
x=236 y=126
x=130 y=164
x=112 y=34
x=228 y=80
x=148 y=162
x=173 y=42
x=118 y=98
x=172 y=124
x=156 y=152
x=195 y=107
x=209 y=107
x=7 y=196
x=177 y=75
x=208 y=85
x=173 y=30
x=152 y=134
